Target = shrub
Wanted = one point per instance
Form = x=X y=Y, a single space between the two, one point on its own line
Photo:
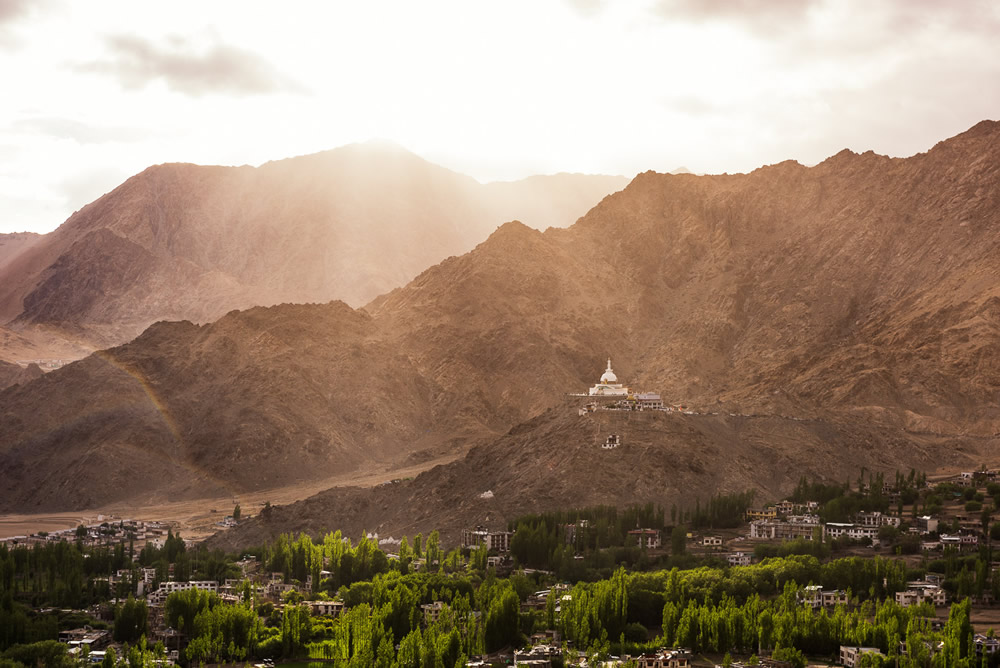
x=636 y=633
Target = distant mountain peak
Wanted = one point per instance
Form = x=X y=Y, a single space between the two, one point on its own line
x=984 y=127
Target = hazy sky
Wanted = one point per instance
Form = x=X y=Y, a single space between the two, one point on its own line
x=94 y=92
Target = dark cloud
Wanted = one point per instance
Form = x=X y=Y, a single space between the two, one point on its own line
x=66 y=128
x=188 y=69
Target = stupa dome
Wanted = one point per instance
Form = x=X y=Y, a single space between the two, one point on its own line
x=609 y=375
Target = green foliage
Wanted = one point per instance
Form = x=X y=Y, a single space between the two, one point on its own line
x=596 y=611
x=888 y=533
x=816 y=491
x=723 y=511
x=790 y=654
x=534 y=543
x=59 y=574
x=172 y=548
x=131 y=620
x=707 y=606
x=678 y=540
x=501 y=608
x=791 y=547
x=636 y=633
x=216 y=632
x=48 y=653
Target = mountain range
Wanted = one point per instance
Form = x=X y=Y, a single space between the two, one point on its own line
x=813 y=319
x=188 y=242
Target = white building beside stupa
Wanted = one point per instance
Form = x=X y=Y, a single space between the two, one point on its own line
x=609 y=385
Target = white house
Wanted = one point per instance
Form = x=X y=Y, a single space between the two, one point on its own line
x=849 y=656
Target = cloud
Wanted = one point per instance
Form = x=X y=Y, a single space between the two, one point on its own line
x=693 y=105
x=587 y=7
x=779 y=18
x=766 y=17
x=67 y=128
x=187 y=69
x=86 y=186
x=11 y=12
x=969 y=17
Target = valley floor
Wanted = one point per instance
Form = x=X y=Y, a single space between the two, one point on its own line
x=198 y=518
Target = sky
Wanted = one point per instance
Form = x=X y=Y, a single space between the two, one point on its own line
x=94 y=92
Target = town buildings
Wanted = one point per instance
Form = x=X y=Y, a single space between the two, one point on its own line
x=432 y=611
x=496 y=541
x=649 y=538
x=664 y=659
x=326 y=608
x=921 y=592
x=833 y=530
x=740 y=558
x=816 y=597
x=796 y=526
x=985 y=645
x=159 y=596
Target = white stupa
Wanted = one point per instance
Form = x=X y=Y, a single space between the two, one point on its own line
x=609 y=385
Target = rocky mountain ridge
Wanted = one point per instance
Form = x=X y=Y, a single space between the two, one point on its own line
x=15 y=374
x=856 y=296
x=187 y=242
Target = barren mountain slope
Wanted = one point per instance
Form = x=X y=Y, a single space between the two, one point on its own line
x=12 y=374
x=849 y=293
x=862 y=282
x=13 y=244
x=260 y=398
x=555 y=461
x=188 y=242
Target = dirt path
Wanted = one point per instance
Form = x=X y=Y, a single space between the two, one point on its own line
x=197 y=519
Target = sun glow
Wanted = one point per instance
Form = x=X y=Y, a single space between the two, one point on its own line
x=96 y=93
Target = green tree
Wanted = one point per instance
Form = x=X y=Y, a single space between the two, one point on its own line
x=48 y=653
x=131 y=620
x=237 y=512
x=502 y=619
x=790 y=654
x=678 y=540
